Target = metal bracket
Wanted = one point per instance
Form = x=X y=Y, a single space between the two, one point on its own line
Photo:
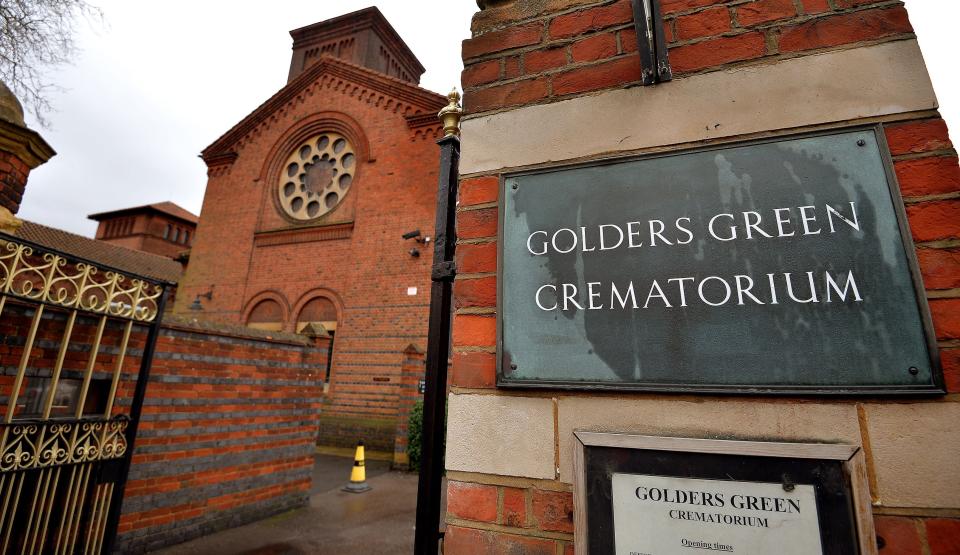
x=651 y=42
x=444 y=271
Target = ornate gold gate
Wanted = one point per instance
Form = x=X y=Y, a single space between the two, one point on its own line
x=72 y=406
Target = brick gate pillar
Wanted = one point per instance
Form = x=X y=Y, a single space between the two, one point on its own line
x=21 y=150
x=411 y=374
x=553 y=85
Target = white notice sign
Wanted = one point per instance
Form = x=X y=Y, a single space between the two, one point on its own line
x=657 y=515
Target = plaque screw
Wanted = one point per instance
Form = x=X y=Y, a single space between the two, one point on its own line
x=515 y=186
x=513 y=366
x=788 y=484
x=861 y=142
x=914 y=370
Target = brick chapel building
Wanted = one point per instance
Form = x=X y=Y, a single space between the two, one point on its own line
x=307 y=201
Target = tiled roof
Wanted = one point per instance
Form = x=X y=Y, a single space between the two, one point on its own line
x=176 y=210
x=166 y=207
x=121 y=258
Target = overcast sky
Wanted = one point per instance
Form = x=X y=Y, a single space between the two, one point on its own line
x=155 y=85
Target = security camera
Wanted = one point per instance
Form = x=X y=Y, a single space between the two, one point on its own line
x=412 y=234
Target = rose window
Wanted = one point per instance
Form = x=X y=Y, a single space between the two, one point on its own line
x=317 y=176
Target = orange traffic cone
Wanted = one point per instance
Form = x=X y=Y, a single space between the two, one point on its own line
x=358 y=476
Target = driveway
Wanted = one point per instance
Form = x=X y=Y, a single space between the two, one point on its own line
x=379 y=521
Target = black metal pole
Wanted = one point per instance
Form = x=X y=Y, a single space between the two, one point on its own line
x=136 y=408
x=427 y=533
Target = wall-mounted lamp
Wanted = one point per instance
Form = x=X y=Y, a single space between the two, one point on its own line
x=195 y=305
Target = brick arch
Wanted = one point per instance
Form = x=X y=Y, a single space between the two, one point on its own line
x=318 y=293
x=268 y=295
x=337 y=301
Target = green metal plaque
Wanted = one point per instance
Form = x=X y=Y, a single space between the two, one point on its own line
x=775 y=266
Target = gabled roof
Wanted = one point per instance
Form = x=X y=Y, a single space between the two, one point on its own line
x=167 y=207
x=121 y=258
x=401 y=90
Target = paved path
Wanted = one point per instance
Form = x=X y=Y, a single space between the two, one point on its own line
x=379 y=521
x=331 y=472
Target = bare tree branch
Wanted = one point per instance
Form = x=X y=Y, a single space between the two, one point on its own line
x=36 y=36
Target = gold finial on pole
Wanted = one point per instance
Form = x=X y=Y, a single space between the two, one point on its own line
x=450 y=114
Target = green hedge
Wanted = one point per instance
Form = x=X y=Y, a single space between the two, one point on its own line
x=414 y=434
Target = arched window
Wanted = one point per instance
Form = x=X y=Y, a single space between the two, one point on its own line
x=166 y=231
x=176 y=234
x=186 y=237
x=320 y=311
x=266 y=315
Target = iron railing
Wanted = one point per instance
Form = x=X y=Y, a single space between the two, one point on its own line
x=64 y=460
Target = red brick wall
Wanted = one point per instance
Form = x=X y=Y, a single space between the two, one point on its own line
x=226 y=436
x=363 y=267
x=13 y=180
x=133 y=242
x=914 y=536
x=526 y=53
x=144 y=232
x=480 y=518
x=927 y=170
x=157 y=245
x=541 y=519
x=530 y=52
x=228 y=425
